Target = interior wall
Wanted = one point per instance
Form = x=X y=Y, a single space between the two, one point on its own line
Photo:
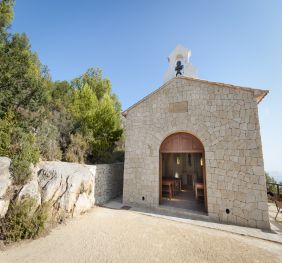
x=182 y=165
x=198 y=169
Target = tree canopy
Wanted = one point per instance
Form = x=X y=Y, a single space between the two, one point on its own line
x=78 y=120
x=6 y=14
x=96 y=112
x=23 y=80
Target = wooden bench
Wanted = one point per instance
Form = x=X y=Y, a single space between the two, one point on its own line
x=199 y=190
x=168 y=187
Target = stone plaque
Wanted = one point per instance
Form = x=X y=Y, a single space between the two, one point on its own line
x=180 y=106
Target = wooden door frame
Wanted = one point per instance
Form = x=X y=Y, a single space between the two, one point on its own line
x=205 y=181
x=160 y=177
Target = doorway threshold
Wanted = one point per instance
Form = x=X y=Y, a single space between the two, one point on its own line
x=181 y=212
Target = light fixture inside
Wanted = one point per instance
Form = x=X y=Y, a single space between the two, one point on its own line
x=178 y=160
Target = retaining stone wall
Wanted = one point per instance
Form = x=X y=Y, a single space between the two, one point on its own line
x=108 y=182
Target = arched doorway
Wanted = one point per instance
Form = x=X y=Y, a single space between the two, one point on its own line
x=182 y=172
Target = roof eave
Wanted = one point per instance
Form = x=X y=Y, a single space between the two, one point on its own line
x=262 y=96
x=259 y=97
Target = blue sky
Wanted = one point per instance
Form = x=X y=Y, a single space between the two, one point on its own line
x=237 y=42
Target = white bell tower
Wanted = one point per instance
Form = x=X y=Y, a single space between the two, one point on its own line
x=182 y=54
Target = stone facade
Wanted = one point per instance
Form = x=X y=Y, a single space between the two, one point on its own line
x=225 y=119
x=108 y=182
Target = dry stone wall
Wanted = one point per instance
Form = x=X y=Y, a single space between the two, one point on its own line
x=226 y=121
x=108 y=182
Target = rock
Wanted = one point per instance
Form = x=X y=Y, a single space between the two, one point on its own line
x=5 y=177
x=82 y=204
x=5 y=183
x=32 y=190
x=4 y=204
x=65 y=183
x=69 y=187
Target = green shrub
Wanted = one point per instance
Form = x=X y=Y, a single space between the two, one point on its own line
x=6 y=126
x=21 y=171
x=19 y=146
x=24 y=152
x=21 y=223
x=48 y=141
x=77 y=149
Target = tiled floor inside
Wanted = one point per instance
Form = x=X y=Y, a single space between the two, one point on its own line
x=185 y=199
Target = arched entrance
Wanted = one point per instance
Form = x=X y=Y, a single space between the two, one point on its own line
x=182 y=172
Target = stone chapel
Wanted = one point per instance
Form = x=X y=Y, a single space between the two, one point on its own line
x=194 y=146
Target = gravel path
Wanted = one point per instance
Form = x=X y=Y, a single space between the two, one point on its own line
x=106 y=235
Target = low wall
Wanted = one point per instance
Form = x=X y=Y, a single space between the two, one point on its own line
x=108 y=182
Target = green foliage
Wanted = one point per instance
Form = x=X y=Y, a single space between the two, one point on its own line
x=77 y=121
x=24 y=83
x=97 y=120
x=84 y=105
x=24 y=93
x=77 y=149
x=105 y=128
x=270 y=179
x=61 y=93
x=19 y=146
x=93 y=78
x=6 y=127
x=48 y=141
x=23 y=152
x=113 y=157
x=22 y=222
x=6 y=14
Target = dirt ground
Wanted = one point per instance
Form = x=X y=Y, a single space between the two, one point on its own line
x=107 y=235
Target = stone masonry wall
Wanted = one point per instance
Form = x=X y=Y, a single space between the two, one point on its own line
x=108 y=182
x=226 y=121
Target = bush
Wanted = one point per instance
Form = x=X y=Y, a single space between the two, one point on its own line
x=24 y=152
x=19 y=146
x=20 y=223
x=6 y=126
x=48 y=142
x=21 y=171
x=65 y=126
x=77 y=149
